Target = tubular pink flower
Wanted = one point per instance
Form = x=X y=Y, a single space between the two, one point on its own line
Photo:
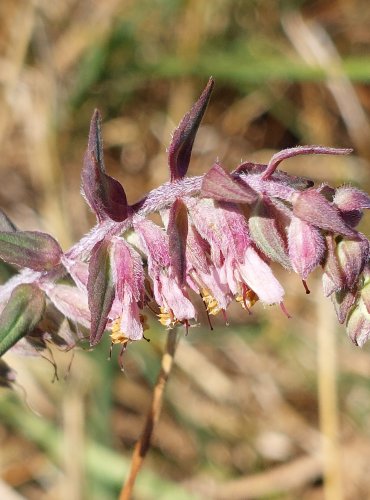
x=128 y=275
x=167 y=291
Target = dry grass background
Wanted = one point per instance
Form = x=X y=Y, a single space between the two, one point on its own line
x=266 y=408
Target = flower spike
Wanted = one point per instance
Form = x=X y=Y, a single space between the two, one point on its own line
x=220 y=236
x=179 y=151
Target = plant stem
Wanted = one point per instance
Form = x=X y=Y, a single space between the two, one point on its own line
x=328 y=402
x=143 y=445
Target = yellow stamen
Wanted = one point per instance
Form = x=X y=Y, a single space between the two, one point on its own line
x=166 y=318
x=211 y=303
x=248 y=300
x=118 y=337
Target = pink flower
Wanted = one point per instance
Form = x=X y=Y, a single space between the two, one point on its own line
x=168 y=293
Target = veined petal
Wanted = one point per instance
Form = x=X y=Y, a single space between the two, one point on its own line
x=197 y=250
x=128 y=270
x=210 y=222
x=238 y=228
x=154 y=241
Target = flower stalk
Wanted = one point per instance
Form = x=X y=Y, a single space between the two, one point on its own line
x=143 y=444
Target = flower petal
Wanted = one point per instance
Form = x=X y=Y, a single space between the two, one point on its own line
x=259 y=277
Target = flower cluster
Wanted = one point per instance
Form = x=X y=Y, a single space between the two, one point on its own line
x=220 y=233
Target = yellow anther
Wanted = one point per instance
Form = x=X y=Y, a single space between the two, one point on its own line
x=166 y=317
x=211 y=303
x=248 y=299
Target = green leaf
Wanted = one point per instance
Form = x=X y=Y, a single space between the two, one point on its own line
x=38 y=251
x=20 y=315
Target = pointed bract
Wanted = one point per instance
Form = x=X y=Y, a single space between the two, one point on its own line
x=177 y=231
x=38 y=251
x=220 y=185
x=20 y=315
x=104 y=194
x=179 y=151
x=100 y=289
x=311 y=206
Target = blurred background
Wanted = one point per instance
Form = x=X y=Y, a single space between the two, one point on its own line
x=267 y=408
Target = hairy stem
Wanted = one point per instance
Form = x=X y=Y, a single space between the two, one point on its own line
x=143 y=445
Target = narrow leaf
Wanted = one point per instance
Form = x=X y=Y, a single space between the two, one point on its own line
x=220 y=185
x=20 y=315
x=100 y=289
x=179 y=152
x=38 y=251
x=177 y=235
x=105 y=195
